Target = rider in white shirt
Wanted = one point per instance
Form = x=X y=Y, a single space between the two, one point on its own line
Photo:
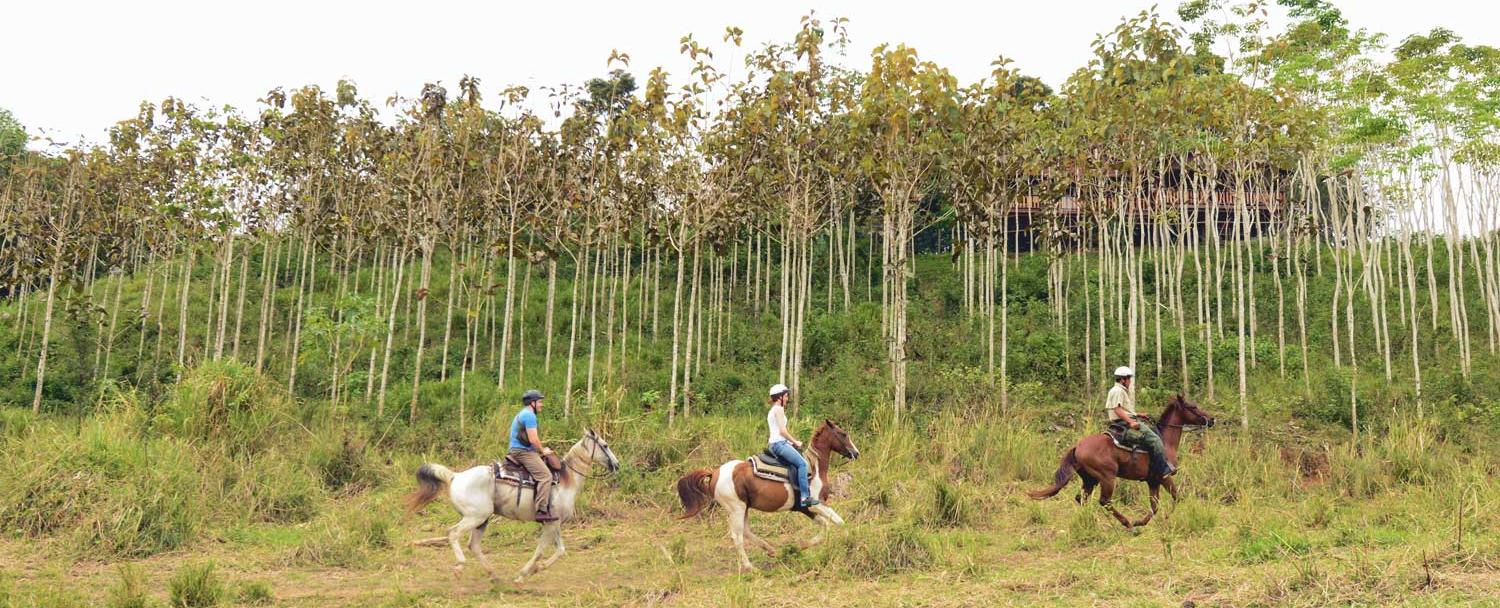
x=786 y=447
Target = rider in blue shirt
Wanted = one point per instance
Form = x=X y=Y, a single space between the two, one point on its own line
x=526 y=448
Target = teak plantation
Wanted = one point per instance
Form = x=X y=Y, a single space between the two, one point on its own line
x=230 y=335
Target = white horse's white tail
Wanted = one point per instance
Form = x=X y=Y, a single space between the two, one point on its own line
x=432 y=479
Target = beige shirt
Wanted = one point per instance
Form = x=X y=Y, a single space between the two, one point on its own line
x=1119 y=396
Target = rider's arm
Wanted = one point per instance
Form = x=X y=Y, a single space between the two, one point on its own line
x=781 y=424
x=1123 y=415
x=536 y=441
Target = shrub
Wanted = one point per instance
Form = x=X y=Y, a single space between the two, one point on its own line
x=345 y=537
x=279 y=490
x=950 y=506
x=342 y=463
x=130 y=591
x=893 y=550
x=227 y=402
x=255 y=593
x=196 y=586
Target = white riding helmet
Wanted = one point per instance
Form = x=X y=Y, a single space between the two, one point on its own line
x=1124 y=372
x=779 y=389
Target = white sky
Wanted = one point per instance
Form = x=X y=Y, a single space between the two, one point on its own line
x=71 y=69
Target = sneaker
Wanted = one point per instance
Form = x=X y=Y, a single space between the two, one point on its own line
x=1171 y=470
x=545 y=517
x=809 y=503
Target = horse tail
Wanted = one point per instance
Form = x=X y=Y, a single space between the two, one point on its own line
x=431 y=479
x=1061 y=478
x=696 y=491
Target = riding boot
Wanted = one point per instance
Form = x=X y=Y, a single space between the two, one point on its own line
x=1160 y=467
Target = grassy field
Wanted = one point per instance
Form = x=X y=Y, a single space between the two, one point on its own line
x=1263 y=522
x=221 y=488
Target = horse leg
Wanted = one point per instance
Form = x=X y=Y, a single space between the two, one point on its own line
x=1106 y=493
x=1171 y=486
x=1155 y=500
x=1088 y=487
x=457 y=532
x=754 y=538
x=475 y=536
x=818 y=538
x=557 y=546
x=530 y=567
x=737 y=516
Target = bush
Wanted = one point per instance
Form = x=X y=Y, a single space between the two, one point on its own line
x=893 y=550
x=227 y=402
x=279 y=490
x=196 y=586
x=345 y=538
x=130 y=591
x=950 y=505
x=121 y=494
x=342 y=463
x=255 y=593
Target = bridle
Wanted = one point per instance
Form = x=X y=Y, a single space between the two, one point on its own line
x=1186 y=428
x=594 y=447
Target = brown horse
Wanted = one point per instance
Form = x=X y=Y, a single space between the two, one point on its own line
x=736 y=487
x=1098 y=461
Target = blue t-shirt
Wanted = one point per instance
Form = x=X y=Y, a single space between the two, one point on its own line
x=524 y=420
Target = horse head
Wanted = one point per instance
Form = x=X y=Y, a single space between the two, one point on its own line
x=598 y=449
x=836 y=439
x=1188 y=412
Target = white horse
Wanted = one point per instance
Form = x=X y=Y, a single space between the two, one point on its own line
x=478 y=496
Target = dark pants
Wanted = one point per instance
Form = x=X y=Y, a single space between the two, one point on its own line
x=532 y=460
x=1144 y=435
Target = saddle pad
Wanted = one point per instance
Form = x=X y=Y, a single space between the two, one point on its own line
x=1122 y=446
x=769 y=471
x=508 y=475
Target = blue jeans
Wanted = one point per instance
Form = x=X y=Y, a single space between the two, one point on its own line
x=789 y=455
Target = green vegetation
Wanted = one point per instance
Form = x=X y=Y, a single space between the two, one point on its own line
x=229 y=339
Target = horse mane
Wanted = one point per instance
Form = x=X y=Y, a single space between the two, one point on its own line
x=1172 y=404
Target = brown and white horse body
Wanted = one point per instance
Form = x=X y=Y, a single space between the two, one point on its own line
x=734 y=486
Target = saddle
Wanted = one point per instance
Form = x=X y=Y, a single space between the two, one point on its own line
x=511 y=471
x=766 y=465
x=1116 y=433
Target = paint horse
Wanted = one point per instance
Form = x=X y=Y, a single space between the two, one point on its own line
x=480 y=494
x=742 y=485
